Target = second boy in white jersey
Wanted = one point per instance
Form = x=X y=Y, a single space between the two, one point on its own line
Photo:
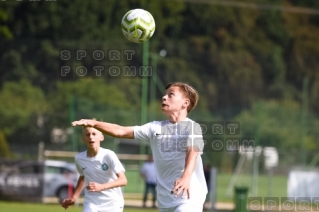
x=101 y=174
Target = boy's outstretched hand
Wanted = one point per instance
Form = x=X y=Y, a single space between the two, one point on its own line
x=84 y=122
x=67 y=202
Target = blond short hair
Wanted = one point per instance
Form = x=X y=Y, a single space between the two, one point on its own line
x=188 y=91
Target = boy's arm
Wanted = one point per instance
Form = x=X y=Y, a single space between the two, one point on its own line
x=183 y=184
x=78 y=189
x=120 y=181
x=110 y=129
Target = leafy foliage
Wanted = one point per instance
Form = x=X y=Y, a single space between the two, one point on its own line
x=5 y=151
x=234 y=56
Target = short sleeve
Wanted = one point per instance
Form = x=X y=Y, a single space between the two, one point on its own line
x=115 y=163
x=79 y=169
x=196 y=138
x=143 y=132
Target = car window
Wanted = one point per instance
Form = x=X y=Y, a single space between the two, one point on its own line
x=52 y=170
x=65 y=171
x=57 y=170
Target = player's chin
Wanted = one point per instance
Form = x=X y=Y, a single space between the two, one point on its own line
x=90 y=145
x=165 y=111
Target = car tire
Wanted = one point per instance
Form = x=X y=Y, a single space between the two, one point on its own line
x=63 y=193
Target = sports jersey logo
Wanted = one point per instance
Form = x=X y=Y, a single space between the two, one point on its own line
x=158 y=135
x=104 y=167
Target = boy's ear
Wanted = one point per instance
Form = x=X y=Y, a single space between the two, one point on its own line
x=102 y=137
x=186 y=103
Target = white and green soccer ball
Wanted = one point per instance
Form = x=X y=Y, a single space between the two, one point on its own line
x=138 y=25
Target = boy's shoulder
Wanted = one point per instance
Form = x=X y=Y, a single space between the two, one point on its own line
x=106 y=151
x=80 y=154
x=102 y=152
x=167 y=122
x=159 y=123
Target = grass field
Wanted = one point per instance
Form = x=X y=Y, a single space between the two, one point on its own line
x=277 y=188
x=135 y=188
x=30 y=207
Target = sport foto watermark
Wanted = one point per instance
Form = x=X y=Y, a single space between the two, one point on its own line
x=102 y=63
x=214 y=136
x=283 y=204
x=180 y=143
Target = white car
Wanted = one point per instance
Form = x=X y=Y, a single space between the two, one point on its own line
x=34 y=180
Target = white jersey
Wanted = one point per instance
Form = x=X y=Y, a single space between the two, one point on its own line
x=169 y=143
x=100 y=169
x=149 y=170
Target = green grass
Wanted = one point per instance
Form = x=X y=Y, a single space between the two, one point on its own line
x=278 y=186
x=32 y=207
x=135 y=182
x=136 y=186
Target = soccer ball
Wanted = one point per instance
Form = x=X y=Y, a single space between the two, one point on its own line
x=138 y=25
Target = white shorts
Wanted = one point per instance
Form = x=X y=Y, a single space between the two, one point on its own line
x=107 y=208
x=183 y=208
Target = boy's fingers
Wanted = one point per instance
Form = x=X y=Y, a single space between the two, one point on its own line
x=83 y=122
x=185 y=193
x=178 y=191
x=64 y=202
x=174 y=189
x=76 y=123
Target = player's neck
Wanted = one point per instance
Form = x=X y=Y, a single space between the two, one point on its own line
x=176 y=117
x=92 y=152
